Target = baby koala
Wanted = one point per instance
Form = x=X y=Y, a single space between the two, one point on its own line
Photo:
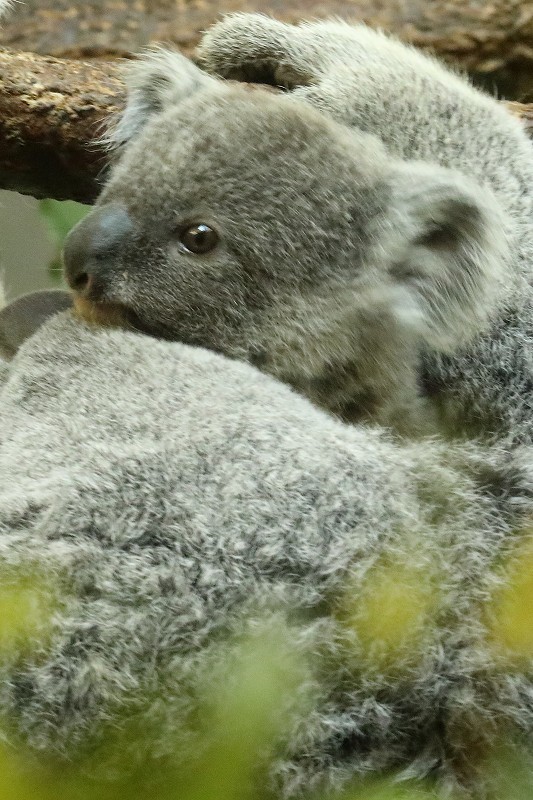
x=363 y=237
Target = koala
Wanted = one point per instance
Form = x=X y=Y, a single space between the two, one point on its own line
x=365 y=236
x=177 y=502
x=369 y=247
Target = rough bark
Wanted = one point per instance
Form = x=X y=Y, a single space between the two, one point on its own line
x=492 y=39
x=51 y=114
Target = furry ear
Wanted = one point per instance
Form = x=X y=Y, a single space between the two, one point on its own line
x=448 y=250
x=20 y=319
x=158 y=80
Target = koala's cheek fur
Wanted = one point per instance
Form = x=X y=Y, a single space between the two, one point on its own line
x=166 y=297
x=349 y=354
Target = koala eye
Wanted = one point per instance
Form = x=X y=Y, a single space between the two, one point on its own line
x=199 y=239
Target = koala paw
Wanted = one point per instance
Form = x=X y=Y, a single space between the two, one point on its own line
x=254 y=47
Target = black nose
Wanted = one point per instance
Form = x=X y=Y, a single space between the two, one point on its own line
x=92 y=249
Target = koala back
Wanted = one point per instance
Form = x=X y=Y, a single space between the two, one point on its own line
x=182 y=503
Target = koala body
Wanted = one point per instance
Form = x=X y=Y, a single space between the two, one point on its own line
x=176 y=500
x=366 y=237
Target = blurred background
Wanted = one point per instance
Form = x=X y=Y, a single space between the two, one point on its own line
x=31 y=235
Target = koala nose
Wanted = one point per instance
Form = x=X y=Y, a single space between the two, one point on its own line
x=92 y=247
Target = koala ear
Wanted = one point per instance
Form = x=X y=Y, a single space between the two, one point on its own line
x=448 y=250
x=20 y=319
x=156 y=81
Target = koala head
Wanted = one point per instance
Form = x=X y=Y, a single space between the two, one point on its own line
x=250 y=223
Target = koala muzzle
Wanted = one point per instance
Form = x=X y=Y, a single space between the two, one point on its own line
x=92 y=249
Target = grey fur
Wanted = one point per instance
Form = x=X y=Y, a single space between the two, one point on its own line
x=376 y=257
x=185 y=496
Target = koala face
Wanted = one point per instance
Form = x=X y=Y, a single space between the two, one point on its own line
x=251 y=224
x=232 y=214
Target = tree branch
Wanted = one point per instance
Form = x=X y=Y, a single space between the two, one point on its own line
x=51 y=113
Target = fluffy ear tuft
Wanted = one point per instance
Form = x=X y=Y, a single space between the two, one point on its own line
x=448 y=251
x=158 y=80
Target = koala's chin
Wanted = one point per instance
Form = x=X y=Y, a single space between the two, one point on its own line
x=111 y=315
x=114 y=314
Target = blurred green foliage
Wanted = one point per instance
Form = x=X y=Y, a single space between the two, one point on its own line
x=391 y=613
x=60 y=217
x=509 y=615
x=28 y=601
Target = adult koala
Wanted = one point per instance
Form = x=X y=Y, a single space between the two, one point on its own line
x=175 y=501
x=366 y=237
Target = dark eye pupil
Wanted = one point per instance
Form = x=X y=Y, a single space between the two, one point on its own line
x=199 y=238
